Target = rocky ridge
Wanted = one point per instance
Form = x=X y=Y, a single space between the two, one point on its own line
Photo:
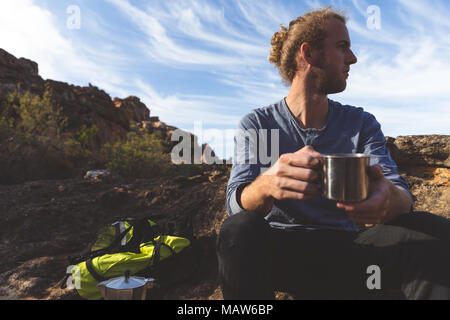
x=424 y=162
x=85 y=104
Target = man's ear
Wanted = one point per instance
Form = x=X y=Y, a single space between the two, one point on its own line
x=305 y=53
x=308 y=55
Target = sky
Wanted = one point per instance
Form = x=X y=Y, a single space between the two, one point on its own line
x=201 y=65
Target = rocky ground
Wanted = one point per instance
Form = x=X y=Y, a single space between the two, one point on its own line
x=44 y=224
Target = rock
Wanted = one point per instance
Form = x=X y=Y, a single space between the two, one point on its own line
x=14 y=71
x=113 y=199
x=154 y=201
x=71 y=223
x=82 y=104
x=97 y=175
x=89 y=106
x=424 y=161
x=432 y=150
x=79 y=104
x=133 y=109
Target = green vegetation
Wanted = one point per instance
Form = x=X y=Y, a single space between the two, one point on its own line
x=140 y=156
x=87 y=135
x=36 y=142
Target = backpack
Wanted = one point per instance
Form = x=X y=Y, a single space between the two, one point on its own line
x=130 y=244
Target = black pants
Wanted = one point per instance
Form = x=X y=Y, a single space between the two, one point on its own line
x=409 y=258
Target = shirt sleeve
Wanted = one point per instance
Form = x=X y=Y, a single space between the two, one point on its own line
x=373 y=142
x=245 y=167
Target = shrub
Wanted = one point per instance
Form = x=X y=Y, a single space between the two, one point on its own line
x=140 y=156
x=38 y=116
x=34 y=141
x=87 y=136
x=37 y=143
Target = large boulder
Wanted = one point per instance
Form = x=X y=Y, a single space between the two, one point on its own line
x=429 y=150
x=424 y=161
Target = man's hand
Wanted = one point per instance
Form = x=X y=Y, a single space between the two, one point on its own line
x=384 y=203
x=294 y=176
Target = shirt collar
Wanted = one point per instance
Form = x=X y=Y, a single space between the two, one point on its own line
x=288 y=114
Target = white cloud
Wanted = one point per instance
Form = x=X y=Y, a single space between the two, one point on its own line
x=22 y=26
x=209 y=25
x=163 y=49
x=434 y=13
x=197 y=35
x=265 y=16
x=185 y=110
x=401 y=75
x=30 y=31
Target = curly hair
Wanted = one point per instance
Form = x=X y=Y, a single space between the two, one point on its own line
x=286 y=43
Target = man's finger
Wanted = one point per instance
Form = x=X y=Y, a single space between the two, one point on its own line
x=310 y=150
x=299 y=186
x=304 y=174
x=346 y=207
x=356 y=207
x=304 y=160
x=366 y=205
x=293 y=195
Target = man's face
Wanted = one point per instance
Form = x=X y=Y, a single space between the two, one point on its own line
x=331 y=71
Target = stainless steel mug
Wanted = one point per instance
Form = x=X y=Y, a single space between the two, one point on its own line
x=345 y=177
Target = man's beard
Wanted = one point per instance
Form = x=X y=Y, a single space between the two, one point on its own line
x=326 y=83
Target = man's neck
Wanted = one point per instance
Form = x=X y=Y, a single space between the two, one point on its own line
x=309 y=109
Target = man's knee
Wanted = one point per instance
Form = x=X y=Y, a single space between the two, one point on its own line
x=248 y=230
x=430 y=225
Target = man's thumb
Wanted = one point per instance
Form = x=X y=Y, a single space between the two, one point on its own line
x=376 y=172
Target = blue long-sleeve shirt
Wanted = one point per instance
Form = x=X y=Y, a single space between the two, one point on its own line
x=266 y=133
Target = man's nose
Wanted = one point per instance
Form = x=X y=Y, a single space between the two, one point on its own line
x=352 y=58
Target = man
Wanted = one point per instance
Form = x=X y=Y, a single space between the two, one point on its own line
x=282 y=234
